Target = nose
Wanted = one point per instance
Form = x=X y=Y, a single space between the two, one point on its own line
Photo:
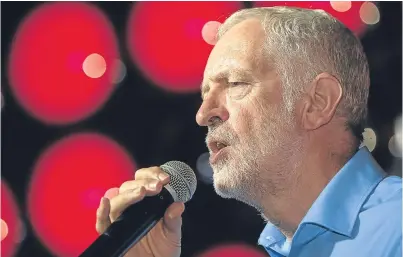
x=213 y=107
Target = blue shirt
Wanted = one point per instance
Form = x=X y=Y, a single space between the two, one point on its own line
x=358 y=214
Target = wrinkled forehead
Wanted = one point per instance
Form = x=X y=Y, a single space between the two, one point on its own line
x=241 y=47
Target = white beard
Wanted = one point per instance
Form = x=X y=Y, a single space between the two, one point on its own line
x=257 y=166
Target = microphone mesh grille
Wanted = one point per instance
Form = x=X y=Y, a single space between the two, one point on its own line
x=182 y=179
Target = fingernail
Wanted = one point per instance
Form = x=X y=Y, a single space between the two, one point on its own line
x=111 y=193
x=163 y=176
x=174 y=215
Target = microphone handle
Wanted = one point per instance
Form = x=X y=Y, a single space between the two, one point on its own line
x=132 y=225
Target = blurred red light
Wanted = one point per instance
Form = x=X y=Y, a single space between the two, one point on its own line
x=350 y=18
x=69 y=179
x=47 y=56
x=233 y=251
x=11 y=216
x=165 y=40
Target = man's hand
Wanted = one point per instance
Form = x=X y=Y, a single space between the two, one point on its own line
x=164 y=240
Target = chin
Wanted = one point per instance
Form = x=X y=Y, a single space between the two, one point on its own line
x=234 y=186
x=227 y=184
x=223 y=185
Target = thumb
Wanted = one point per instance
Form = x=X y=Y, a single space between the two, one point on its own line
x=173 y=217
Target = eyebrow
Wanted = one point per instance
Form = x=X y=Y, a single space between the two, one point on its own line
x=241 y=73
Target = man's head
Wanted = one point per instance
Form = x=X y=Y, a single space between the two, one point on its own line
x=275 y=82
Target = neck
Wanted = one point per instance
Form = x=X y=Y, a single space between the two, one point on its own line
x=312 y=169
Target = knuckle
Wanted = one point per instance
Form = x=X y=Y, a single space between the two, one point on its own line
x=126 y=185
x=147 y=172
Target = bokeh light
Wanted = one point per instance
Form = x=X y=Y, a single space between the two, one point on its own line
x=341 y=6
x=203 y=168
x=395 y=145
x=209 y=32
x=369 y=137
x=395 y=142
x=3 y=229
x=369 y=13
x=58 y=64
x=233 y=250
x=398 y=125
x=119 y=71
x=69 y=179
x=10 y=222
x=94 y=66
x=165 y=40
x=350 y=17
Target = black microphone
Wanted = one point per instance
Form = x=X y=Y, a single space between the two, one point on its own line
x=138 y=219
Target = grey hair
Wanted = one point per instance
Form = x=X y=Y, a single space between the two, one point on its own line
x=303 y=43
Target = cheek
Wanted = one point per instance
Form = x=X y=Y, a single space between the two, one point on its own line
x=241 y=119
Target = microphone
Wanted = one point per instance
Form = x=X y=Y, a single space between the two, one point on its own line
x=138 y=219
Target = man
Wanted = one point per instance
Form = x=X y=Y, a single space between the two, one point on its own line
x=285 y=97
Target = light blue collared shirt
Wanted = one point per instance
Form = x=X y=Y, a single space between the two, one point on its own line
x=358 y=214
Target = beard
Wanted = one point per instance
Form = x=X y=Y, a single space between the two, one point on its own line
x=257 y=164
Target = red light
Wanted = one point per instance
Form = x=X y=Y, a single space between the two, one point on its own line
x=350 y=18
x=10 y=222
x=69 y=179
x=165 y=40
x=233 y=251
x=46 y=62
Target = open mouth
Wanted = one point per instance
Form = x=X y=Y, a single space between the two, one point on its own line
x=216 y=146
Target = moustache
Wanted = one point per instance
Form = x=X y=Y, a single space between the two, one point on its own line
x=223 y=134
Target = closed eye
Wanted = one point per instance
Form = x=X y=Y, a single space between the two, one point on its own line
x=236 y=83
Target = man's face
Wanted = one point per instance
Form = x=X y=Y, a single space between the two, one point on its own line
x=250 y=131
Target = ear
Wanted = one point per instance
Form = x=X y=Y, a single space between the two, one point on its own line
x=323 y=97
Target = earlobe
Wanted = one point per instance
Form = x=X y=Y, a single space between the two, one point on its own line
x=323 y=97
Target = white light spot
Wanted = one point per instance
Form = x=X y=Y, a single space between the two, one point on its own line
x=369 y=13
x=3 y=229
x=395 y=142
x=369 y=139
x=94 y=66
x=341 y=6
x=204 y=169
x=398 y=126
x=118 y=71
x=395 y=146
x=23 y=231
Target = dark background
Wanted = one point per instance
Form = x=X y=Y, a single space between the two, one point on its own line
x=162 y=127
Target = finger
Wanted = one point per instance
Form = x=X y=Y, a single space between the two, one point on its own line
x=103 y=220
x=150 y=184
x=153 y=172
x=124 y=200
x=112 y=192
x=173 y=218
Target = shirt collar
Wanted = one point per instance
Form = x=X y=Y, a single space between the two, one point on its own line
x=339 y=204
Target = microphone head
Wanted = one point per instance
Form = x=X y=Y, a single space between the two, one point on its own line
x=182 y=184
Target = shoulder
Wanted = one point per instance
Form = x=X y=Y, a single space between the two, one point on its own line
x=381 y=214
x=386 y=195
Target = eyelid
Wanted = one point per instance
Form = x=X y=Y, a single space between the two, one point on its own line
x=238 y=82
